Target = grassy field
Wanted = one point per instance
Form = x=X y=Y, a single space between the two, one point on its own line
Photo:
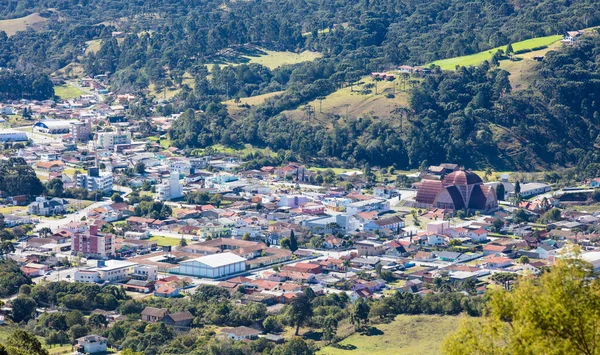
x=239 y=151
x=165 y=240
x=273 y=59
x=359 y=99
x=67 y=92
x=173 y=90
x=15 y=25
x=270 y=59
x=410 y=335
x=478 y=58
x=93 y=46
x=232 y=106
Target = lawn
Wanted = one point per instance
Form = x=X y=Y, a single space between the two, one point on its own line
x=414 y=335
x=15 y=25
x=478 y=58
x=12 y=209
x=67 y=91
x=165 y=240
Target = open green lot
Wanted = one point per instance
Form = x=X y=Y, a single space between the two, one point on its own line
x=165 y=240
x=410 y=335
x=478 y=58
x=67 y=91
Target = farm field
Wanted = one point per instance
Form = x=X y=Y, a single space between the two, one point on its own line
x=406 y=335
x=15 y=25
x=477 y=58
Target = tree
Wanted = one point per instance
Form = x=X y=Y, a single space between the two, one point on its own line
x=524 y=259
x=140 y=168
x=44 y=232
x=23 y=308
x=285 y=243
x=182 y=242
x=116 y=197
x=97 y=321
x=517 y=188
x=330 y=325
x=55 y=187
x=500 y=192
x=21 y=342
x=246 y=236
x=293 y=242
x=295 y=346
x=216 y=200
x=74 y=317
x=555 y=313
x=509 y=50
x=25 y=290
x=300 y=311
x=497 y=225
x=360 y=313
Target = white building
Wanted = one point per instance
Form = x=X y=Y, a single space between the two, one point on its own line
x=213 y=266
x=170 y=188
x=108 y=140
x=92 y=344
x=115 y=270
x=89 y=276
x=532 y=189
x=145 y=272
x=95 y=180
x=292 y=201
x=11 y=135
x=54 y=126
x=375 y=204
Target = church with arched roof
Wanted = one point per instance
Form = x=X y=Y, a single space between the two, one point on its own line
x=456 y=191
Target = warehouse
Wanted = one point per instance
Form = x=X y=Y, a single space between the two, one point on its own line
x=54 y=126
x=213 y=266
x=11 y=135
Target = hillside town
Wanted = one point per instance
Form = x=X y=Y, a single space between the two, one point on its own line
x=121 y=208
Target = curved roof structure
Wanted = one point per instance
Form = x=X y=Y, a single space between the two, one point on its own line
x=428 y=190
x=461 y=178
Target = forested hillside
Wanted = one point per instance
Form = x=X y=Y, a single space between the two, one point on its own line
x=468 y=116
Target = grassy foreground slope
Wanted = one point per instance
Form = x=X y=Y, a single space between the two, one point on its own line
x=478 y=58
x=414 y=335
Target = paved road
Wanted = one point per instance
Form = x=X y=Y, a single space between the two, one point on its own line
x=55 y=224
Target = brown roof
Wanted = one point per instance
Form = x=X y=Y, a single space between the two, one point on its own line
x=461 y=178
x=181 y=316
x=155 y=312
x=428 y=190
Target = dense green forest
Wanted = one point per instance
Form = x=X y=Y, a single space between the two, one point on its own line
x=468 y=116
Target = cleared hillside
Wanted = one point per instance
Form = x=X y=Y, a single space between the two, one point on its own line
x=12 y=26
